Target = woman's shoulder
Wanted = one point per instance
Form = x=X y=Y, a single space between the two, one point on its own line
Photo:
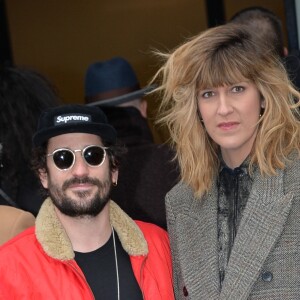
x=179 y=196
x=292 y=172
x=180 y=189
x=293 y=162
x=13 y=221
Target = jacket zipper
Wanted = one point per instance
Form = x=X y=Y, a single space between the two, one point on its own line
x=68 y=263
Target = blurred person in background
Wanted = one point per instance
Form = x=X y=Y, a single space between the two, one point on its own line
x=13 y=221
x=267 y=26
x=24 y=94
x=147 y=172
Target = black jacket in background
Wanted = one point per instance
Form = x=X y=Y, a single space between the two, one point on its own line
x=28 y=195
x=147 y=172
x=292 y=65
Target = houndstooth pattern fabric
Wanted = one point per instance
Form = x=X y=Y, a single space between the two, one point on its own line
x=265 y=258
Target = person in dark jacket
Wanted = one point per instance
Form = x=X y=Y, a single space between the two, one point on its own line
x=267 y=26
x=148 y=171
x=24 y=94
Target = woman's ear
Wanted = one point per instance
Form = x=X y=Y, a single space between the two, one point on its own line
x=43 y=178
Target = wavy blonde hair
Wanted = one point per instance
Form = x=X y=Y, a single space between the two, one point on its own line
x=219 y=56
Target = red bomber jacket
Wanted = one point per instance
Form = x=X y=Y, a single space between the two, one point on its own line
x=39 y=263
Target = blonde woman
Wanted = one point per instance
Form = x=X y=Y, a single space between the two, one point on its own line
x=233 y=220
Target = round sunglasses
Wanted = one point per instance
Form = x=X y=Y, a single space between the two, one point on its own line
x=64 y=158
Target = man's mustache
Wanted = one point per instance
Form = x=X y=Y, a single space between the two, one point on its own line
x=84 y=180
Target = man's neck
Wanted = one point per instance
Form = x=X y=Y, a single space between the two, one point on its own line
x=87 y=233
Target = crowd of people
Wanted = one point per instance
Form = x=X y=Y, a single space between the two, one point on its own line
x=92 y=208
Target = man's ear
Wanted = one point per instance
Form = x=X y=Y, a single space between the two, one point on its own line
x=114 y=177
x=143 y=108
x=43 y=178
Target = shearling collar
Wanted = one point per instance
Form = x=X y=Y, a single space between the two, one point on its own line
x=56 y=243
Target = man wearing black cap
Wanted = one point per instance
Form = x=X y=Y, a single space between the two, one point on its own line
x=83 y=245
x=113 y=86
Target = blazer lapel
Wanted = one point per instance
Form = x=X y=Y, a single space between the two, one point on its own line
x=198 y=257
x=262 y=223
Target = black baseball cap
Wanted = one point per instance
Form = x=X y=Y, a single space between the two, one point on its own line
x=73 y=118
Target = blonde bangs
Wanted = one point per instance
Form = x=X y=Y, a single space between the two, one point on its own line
x=226 y=67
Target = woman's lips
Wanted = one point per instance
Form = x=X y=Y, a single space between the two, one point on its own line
x=228 y=125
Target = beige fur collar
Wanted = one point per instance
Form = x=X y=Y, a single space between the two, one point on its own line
x=56 y=243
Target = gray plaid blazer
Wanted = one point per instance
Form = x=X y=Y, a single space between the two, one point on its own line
x=265 y=259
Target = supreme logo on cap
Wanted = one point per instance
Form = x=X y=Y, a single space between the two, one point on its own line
x=71 y=118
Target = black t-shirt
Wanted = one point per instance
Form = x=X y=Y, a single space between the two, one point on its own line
x=99 y=268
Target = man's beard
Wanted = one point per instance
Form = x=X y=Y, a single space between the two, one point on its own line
x=82 y=206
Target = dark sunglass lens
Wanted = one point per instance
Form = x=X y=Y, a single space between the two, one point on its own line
x=63 y=159
x=94 y=155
